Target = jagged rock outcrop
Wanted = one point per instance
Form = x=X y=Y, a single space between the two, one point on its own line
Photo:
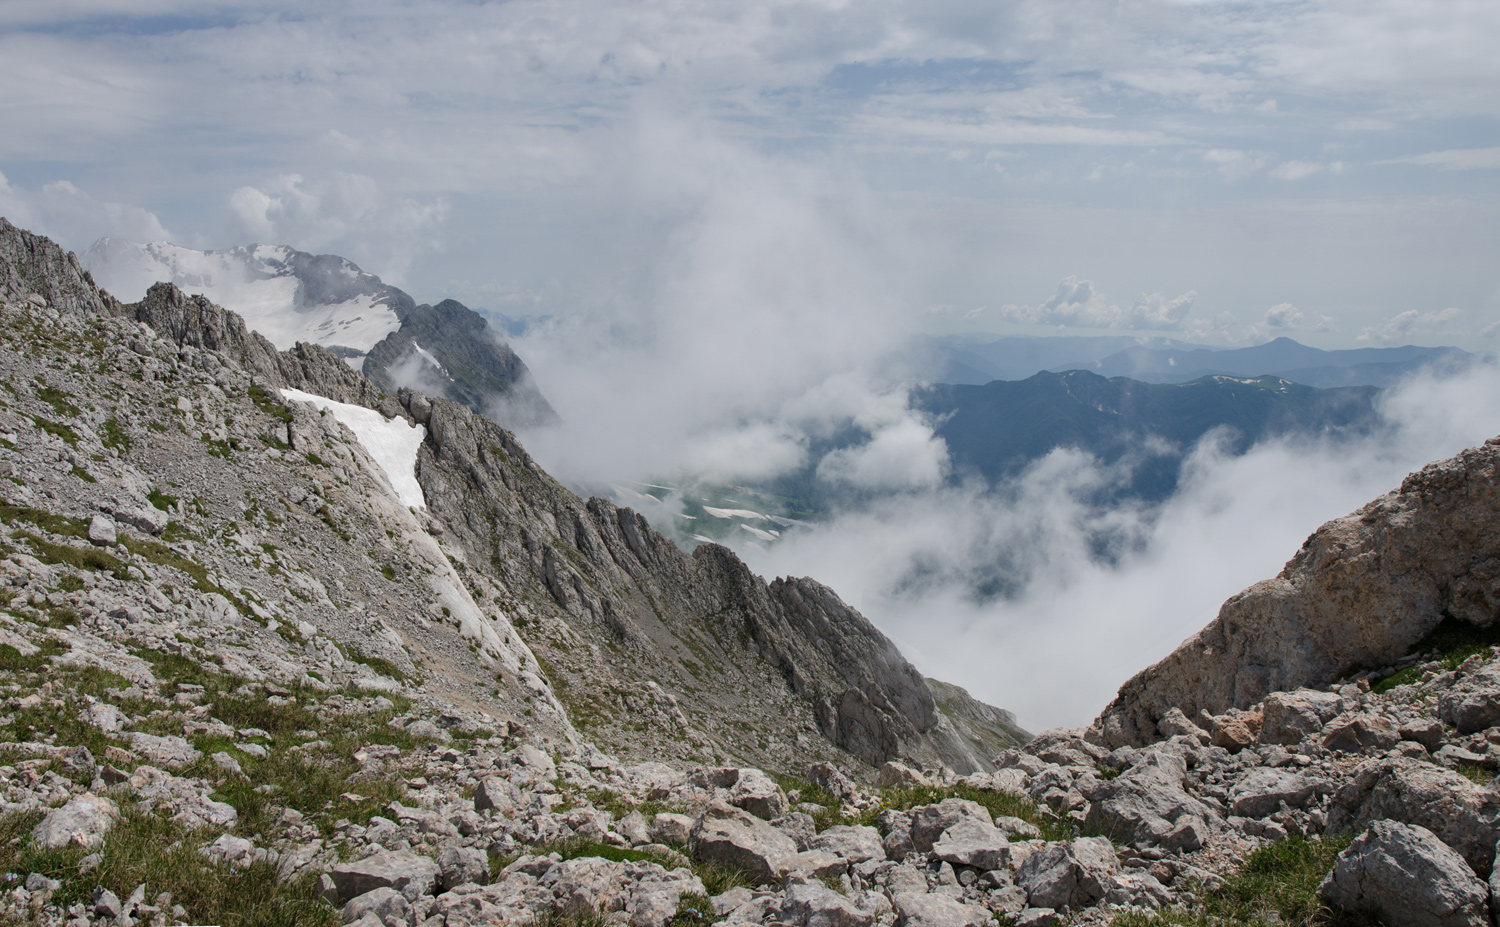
x=196 y=322
x=449 y=350
x=35 y=265
x=1362 y=591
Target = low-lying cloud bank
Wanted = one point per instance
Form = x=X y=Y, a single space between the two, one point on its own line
x=764 y=327
x=1040 y=603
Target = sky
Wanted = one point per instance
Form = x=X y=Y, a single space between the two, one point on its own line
x=1222 y=172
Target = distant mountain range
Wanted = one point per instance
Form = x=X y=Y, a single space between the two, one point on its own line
x=289 y=296
x=997 y=429
x=976 y=360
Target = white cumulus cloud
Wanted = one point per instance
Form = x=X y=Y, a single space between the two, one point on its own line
x=1078 y=303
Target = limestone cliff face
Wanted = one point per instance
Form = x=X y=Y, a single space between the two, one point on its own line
x=1361 y=592
x=653 y=651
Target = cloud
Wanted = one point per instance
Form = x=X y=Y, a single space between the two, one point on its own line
x=1038 y=601
x=1294 y=170
x=1283 y=316
x=1455 y=159
x=70 y=215
x=1408 y=324
x=345 y=213
x=759 y=316
x=902 y=456
x=1078 y=304
x=1235 y=164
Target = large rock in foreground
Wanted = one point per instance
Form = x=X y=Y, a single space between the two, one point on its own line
x=732 y=837
x=1362 y=591
x=1408 y=876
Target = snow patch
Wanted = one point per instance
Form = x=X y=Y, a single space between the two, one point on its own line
x=391 y=443
x=734 y=513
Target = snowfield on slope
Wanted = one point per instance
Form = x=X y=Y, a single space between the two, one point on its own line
x=256 y=281
x=391 y=443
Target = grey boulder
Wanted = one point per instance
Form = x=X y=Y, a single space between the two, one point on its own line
x=814 y=905
x=929 y=821
x=406 y=872
x=1148 y=806
x=933 y=910
x=1262 y=790
x=971 y=842
x=81 y=822
x=1408 y=876
x=1463 y=815
x=459 y=865
x=728 y=835
x=1291 y=717
x=1069 y=874
x=385 y=905
x=854 y=843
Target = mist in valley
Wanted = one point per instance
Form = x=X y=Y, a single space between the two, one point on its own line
x=768 y=318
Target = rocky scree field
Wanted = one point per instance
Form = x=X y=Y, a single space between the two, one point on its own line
x=245 y=683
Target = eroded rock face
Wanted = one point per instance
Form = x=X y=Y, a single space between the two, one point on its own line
x=1362 y=590
x=1408 y=876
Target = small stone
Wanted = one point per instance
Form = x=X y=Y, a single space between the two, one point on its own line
x=106 y=903
x=102 y=531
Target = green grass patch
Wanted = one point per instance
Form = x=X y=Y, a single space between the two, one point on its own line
x=1278 y=885
x=148 y=848
x=58 y=400
x=161 y=500
x=80 y=558
x=162 y=555
x=693 y=909
x=1455 y=641
x=268 y=404
x=57 y=524
x=83 y=474
x=114 y=435
x=379 y=664
x=13 y=661
x=57 y=430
